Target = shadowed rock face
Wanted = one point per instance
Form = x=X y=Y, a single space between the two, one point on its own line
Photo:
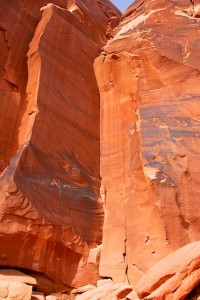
x=148 y=77
x=51 y=211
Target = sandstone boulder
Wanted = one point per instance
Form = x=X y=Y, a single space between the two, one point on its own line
x=10 y=290
x=107 y=291
x=119 y=293
x=58 y=296
x=132 y=296
x=104 y=281
x=174 y=276
x=51 y=297
x=17 y=276
x=37 y=296
x=83 y=289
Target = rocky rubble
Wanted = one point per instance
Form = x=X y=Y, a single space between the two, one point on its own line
x=105 y=290
x=19 y=286
x=16 y=285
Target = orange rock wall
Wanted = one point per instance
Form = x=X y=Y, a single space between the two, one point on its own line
x=104 y=171
x=50 y=206
x=148 y=77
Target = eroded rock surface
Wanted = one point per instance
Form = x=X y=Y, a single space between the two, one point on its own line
x=50 y=206
x=174 y=276
x=148 y=77
x=17 y=276
x=10 y=290
x=117 y=158
x=107 y=292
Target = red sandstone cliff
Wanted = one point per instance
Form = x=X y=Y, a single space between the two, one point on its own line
x=148 y=78
x=51 y=211
x=101 y=179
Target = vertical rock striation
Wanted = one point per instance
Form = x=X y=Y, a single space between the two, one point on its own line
x=101 y=178
x=49 y=183
x=148 y=77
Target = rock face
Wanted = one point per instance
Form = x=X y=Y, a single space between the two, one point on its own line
x=50 y=206
x=148 y=77
x=99 y=168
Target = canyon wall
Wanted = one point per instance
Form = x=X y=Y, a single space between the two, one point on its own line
x=51 y=210
x=99 y=146
x=148 y=76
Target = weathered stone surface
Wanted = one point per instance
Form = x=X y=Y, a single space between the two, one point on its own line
x=104 y=281
x=51 y=297
x=11 y=290
x=37 y=296
x=64 y=171
x=119 y=293
x=58 y=296
x=17 y=276
x=50 y=206
x=83 y=289
x=173 y=277
x=106 y=292
x=132 y=296
x=148 y=77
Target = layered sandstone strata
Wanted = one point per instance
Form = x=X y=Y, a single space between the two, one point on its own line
x=148 y=77
x=50 y=208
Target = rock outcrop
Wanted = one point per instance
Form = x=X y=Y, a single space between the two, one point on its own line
x=99 y=149
x=50 y=207
x=14 y=290
x=16 y=276
x=148 y=77
x=105 y=291
x=173 y=277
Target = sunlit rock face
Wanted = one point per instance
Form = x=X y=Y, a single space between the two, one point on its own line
x=148 y=78
x=172 y=277
x=50 y=208
x=99 y=146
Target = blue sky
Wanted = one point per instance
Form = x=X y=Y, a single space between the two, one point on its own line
x=122 y=4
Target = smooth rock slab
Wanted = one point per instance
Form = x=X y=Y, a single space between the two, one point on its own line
x=37 y=296
x=174 y=277
x=15 y=290
x=132 y=296
x=104 y=281
x=83 y=289
x=51 y=297
x=107 y=292
x=17 y=276
x=119 y=293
